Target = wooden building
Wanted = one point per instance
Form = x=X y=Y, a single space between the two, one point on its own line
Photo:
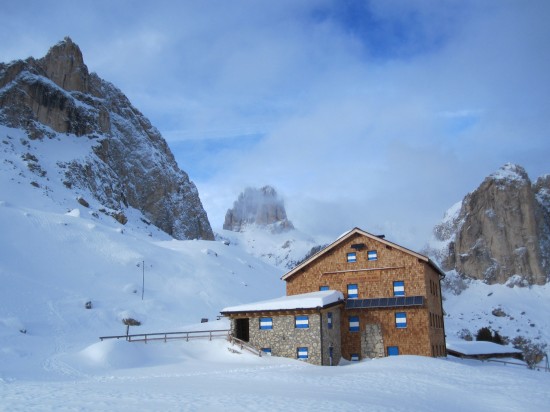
x=392 y=299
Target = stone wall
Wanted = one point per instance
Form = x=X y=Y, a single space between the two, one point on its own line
x=285 y=339
x=331 y=338
x=372 y=341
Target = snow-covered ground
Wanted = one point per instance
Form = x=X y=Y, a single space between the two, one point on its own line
x=511 y=311
x=57 y=254
x=206 y=376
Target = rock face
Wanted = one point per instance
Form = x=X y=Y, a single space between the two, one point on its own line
x=130 y=164
x=261 y=207
x=500 y=230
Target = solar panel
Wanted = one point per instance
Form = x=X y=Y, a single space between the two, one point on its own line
x=385 y=302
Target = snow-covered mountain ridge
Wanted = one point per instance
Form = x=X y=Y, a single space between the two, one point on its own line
x=126 y=162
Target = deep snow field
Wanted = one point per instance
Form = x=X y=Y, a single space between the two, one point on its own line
x=205 y=376
x=56 y=255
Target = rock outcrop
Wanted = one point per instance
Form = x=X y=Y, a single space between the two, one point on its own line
x=130 y=163
x=260 y=207
x=500 y=230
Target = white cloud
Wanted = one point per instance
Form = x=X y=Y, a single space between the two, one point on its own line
x=381 y=113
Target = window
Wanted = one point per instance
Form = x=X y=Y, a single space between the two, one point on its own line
x=301 y=353
x=324 y=288
x=267 y=351
x=352 y=257
x=372 y=255
x=353 y=292
x=266 y=323
x=354 y=323
x=355 y=357
x=301 y=322
x=393 y=350
x=329 y=320
x=399 y=288
x=400 y=320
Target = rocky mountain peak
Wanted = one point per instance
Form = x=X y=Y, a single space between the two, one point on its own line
x=508 y=174
x=64 y=65
x=500 y=230
x=129 y=164
x=261 y=207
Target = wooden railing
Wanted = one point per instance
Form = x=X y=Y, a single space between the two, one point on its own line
x=244 y=345
x=188 y=335
x=166 y=336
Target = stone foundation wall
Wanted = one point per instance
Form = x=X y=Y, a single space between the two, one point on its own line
x=285 y=339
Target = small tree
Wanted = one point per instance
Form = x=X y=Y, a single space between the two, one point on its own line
x=497 y=338
x=484 y=334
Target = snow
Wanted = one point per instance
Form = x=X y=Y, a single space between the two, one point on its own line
x=509 y=172
x=196 y=375
x=302 y=301
x=524 y=309
x=479 y=347
x=56 y=255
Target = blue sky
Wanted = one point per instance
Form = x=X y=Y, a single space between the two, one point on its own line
x=377 y=114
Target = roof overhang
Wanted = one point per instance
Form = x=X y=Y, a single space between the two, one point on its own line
x=357 y=231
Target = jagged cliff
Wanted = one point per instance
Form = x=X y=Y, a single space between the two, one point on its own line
x=261 y=207
x=500 y=230
x=130 y=163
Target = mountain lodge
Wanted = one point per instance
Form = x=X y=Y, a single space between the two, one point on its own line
x=360 y=297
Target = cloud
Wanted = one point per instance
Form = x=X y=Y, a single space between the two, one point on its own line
x=378 y=114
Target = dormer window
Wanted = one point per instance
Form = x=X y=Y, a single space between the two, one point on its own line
x=352 y=257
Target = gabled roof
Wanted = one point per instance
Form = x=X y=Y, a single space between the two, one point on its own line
x=351 y=233
x=312 y=300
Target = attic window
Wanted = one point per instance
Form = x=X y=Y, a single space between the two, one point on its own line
x=358 y=246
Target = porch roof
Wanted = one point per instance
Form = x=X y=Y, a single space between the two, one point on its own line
x=310 y=300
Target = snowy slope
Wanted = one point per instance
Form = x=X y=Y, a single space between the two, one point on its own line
x=510 y=310
x=284 y=250
x=56 y=255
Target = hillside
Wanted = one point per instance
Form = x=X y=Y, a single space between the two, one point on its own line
x=122 y=160
x=58 y=254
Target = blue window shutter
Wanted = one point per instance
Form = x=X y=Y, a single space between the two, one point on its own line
x=329 y=320
x=302 y=353
x=354 y=357
x=352 y=257
x=354 y=323
x=372 y=255
x=400 y=319
x=302 y=322
x=324 y=288
x=399 y=288
x=393 y=350
x=266 y=323
x=353 y=292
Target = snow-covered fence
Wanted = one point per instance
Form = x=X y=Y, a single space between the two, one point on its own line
x=165 y=336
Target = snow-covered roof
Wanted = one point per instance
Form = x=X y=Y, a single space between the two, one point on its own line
x=479 y=348
x=303 y=301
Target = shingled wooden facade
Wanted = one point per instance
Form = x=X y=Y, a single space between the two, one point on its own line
x=393 y=295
